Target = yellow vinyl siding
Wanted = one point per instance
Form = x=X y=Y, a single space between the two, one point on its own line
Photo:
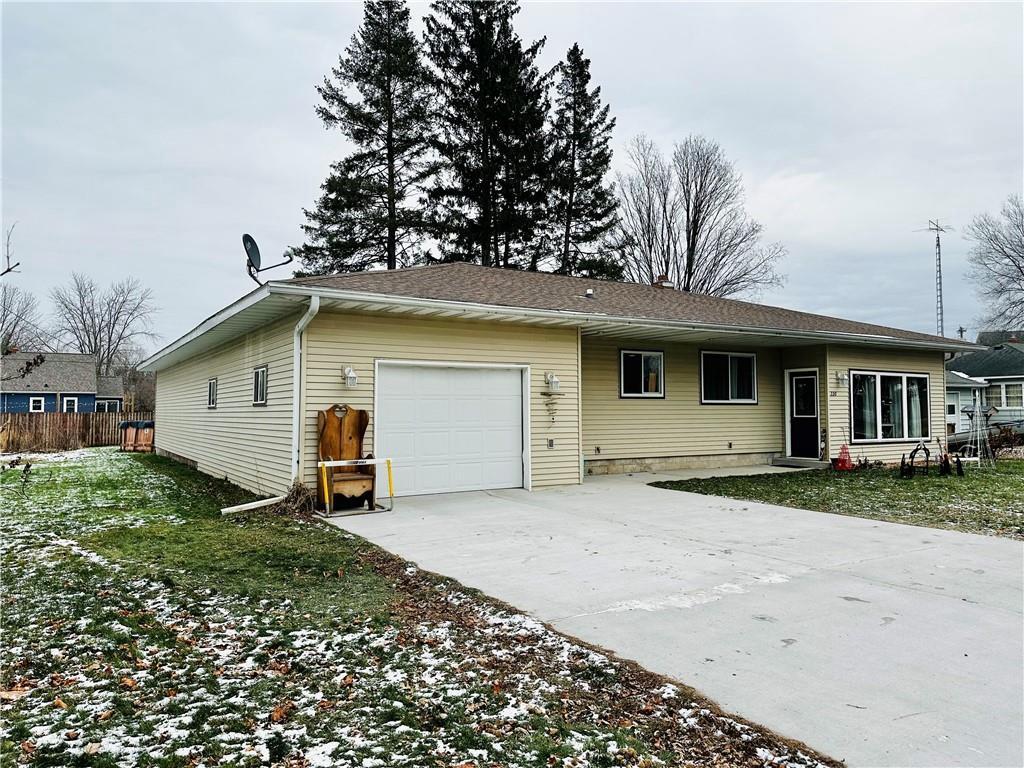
x=678 y=425
x=335 y=340
x=841 y=360
x=249 y=445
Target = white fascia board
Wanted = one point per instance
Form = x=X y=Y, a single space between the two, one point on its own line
x=582 y=319
x=151 y=363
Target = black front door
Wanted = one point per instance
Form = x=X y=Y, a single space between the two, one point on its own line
x=803 y=415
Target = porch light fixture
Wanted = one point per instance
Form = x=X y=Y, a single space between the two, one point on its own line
x=842 y=379
x=552 y=381
x=351 y=379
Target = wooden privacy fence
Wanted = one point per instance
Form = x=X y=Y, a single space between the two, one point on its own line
x=24 y=432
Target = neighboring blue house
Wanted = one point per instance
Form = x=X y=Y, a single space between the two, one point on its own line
x=64 y=382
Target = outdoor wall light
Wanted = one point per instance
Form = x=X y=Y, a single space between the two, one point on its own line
x=351 y=379
x=552 y=381
x=842 y=379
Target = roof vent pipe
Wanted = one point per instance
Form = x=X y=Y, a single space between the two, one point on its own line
x=664 y=282
x=589 y=293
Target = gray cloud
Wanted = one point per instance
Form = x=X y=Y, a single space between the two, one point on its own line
x=143 y=139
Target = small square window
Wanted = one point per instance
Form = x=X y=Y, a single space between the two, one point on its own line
x=259 y=385
x=641 y=374
x=70 y=405
x=211 y=393
x=36 y=404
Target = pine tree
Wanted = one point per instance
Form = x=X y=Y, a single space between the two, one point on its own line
x=490 y=141
x=583 y=203
x=378 y=98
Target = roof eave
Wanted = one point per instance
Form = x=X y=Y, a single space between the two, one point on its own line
x=151 y=363
x=583 y=318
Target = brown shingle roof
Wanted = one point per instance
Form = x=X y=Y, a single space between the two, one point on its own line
x=472 y=283
x=109 y=386
x=59 y=372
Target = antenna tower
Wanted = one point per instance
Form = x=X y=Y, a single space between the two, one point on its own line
x=938 y=229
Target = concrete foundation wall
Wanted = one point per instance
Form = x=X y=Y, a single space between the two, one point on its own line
x=663 y=463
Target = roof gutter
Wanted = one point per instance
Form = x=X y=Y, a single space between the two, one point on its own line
x=585 y=317
x=314 y=307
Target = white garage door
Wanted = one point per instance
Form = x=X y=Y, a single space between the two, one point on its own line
x=450 y=429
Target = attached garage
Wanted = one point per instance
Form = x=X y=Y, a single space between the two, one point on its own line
x=452 y=427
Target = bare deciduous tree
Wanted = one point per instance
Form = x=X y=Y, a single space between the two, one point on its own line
x=7 y=266
x=997 y=263
x=686 y=220
x=647 y=238
x=20 y=322
x=103 y=322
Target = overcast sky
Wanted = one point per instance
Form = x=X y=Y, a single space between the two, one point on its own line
x=143 y=139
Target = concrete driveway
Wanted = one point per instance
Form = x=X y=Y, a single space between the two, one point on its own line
x=877 y=643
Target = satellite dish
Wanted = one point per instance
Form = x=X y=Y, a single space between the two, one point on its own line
x=253 y=264
x=252 y=251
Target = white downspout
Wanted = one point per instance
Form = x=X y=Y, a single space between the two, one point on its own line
x=314 y=307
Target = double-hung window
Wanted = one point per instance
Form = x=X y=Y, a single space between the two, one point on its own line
x=888 y=406
x=994 y=395
x=1005 y=395
x=728 y=378
x=1013 y=395
x=211 y=393
x=259 y=385
x=641 y=373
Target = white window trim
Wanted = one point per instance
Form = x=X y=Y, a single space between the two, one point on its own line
x=1002 y=393
x=211 y=389
x=64 y=405
x=878 y=408
x=266 y=383
x=42 y=404
x=642 y=395
x=730 y=401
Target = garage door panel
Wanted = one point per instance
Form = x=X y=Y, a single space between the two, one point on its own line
x=428 y=381
x=433 y=444
x=498 y=474
x=432 y=410
x=471 y=412
x=467 y=442
x=404 y=411
x=501 y=442
x=450 y=429
x=401 y=445
x=505 y=410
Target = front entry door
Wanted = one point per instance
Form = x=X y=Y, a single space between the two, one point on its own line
x=803 y=415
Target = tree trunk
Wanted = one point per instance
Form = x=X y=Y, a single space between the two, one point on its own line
x=392 y=236
x=570 y=201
